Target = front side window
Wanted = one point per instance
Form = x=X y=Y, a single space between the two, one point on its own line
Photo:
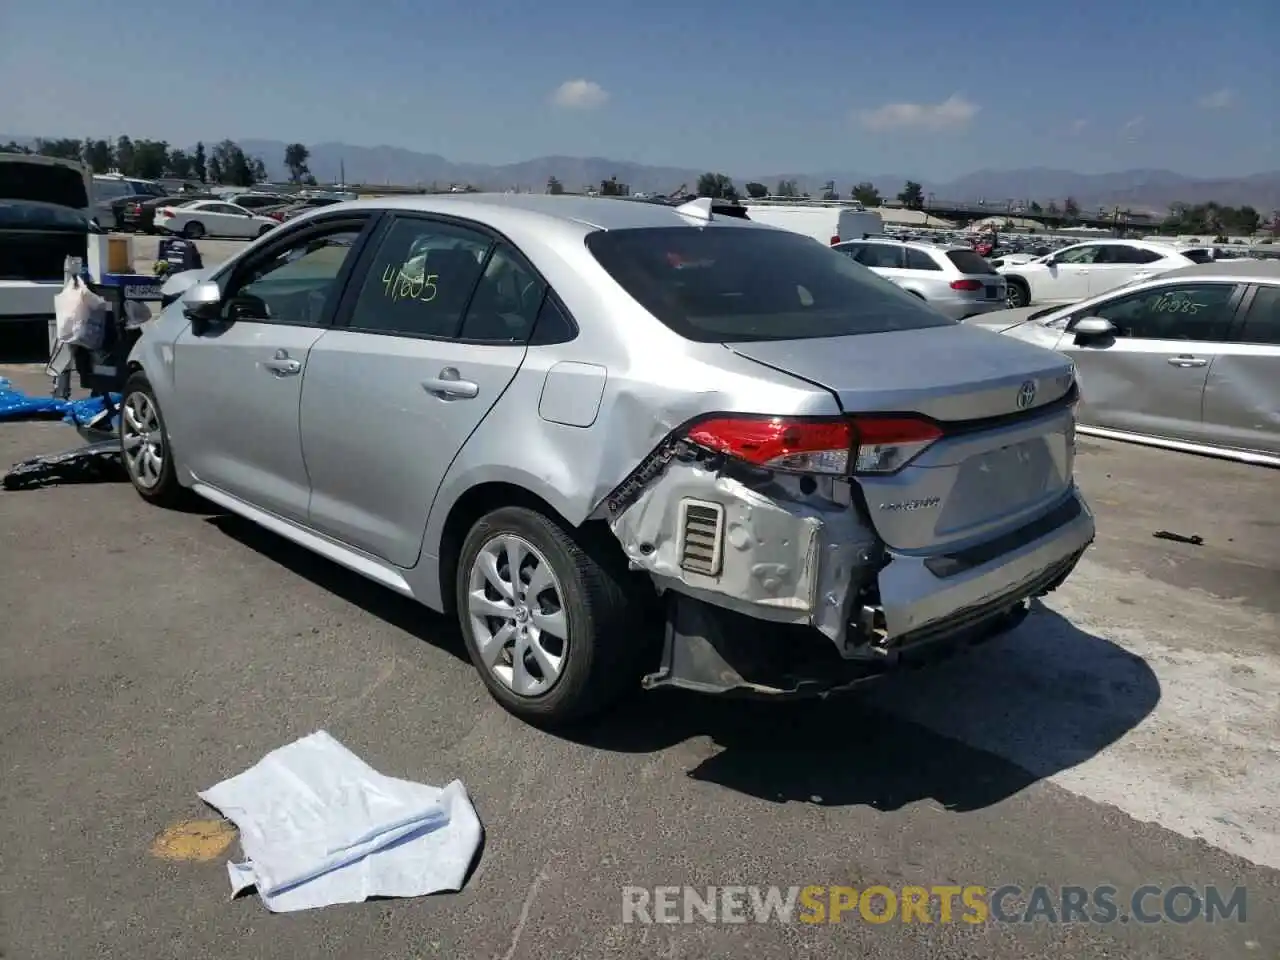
x=1086 y=253
x=296 y=285
x=736 y=284
x=420 y=279
x=1184 y=312
x=884 y=256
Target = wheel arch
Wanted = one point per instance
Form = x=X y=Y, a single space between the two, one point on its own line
x=485 y=497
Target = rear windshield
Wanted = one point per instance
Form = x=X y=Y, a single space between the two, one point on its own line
x=718 y=284
x=967 y=261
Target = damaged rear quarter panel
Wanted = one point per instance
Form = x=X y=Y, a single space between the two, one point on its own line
x=785 y=556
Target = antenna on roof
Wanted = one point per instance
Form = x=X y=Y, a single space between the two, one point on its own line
x=699 y=209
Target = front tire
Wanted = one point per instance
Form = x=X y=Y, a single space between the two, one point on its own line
x=547 y=625
x=144 y=445
x=193 y=230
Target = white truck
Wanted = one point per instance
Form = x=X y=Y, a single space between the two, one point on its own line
x=44 y=218
x=828 y=221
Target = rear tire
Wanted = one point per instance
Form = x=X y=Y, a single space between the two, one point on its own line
x=193 y=230
x=144 y=445
x=1017 y=293
x=554 y=641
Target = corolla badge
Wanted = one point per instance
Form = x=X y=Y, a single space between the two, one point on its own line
x=1026 y=394
x=907 y=506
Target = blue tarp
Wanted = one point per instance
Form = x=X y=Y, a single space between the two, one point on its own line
x=16 y=405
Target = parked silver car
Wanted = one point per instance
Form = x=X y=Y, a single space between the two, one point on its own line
x=547 y=413
x=953 y=280
x=1188 y=360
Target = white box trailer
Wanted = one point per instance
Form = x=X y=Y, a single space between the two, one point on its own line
x=827 y=222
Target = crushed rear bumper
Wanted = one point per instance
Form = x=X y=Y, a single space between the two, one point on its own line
x=709 y=649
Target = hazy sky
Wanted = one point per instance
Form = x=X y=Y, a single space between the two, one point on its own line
x=929 y=88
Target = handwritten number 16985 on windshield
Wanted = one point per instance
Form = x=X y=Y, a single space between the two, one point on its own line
x=397 y=285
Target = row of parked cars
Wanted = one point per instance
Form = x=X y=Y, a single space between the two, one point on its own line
x=142 y=206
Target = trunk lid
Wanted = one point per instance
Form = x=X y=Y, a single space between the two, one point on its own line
x=1006 y=453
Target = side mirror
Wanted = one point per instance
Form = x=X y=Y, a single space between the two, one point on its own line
x=202 y=305
x=1093 y=328
x=1050 y=261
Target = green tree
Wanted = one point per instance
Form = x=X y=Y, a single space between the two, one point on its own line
x=150 y=159
x=912 y=195
x=717 y=186
x=554 y=186
x=866 y=194
x=231 y=164
x=64 y=148
x=756 y=190
x=1035 y=209
x=180 y=165
x=258 y=170
x=296 y=156
x=14 y=147
x=124 y=155
x=787 y=188
x=98 y=155
x=199 y=163
x=1071 y=209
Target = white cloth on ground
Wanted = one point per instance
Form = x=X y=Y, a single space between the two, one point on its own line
x=320 y=826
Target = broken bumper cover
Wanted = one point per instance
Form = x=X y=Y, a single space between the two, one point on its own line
x=711 y=649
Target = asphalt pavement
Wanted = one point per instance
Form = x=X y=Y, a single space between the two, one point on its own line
x=1128 y=733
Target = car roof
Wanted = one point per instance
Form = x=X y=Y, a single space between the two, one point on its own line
x=1257 y=271
x=603 y=213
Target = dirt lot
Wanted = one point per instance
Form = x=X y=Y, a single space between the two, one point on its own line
x=1128 y=733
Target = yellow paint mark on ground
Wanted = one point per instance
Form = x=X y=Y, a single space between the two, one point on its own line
x=194 y=840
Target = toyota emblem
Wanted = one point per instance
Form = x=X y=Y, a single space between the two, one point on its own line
x=1026 y=394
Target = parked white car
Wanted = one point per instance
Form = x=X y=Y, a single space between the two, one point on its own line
x=1088 y=269
x=211 y=218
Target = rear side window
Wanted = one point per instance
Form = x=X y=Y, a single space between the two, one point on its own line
x=1262 y=322
x=966 y=261
x=735 y=284
x=1198 y=256
x=919 y=260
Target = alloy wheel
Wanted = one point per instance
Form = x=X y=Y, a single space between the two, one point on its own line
x=516 y=606
x=142 y=439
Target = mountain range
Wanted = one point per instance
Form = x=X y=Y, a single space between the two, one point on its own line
x=1150 y=190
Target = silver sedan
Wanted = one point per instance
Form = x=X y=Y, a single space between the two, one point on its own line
x=1189 y=360
x=554 y=416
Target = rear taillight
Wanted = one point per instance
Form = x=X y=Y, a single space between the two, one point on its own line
x=873 y=444
x=884 y=444
x=780 y=443
x=835 y=240
x=970 y=285
x=278 y=217
x=166 y=212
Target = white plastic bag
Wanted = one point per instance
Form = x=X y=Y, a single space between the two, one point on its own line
x=80 y=314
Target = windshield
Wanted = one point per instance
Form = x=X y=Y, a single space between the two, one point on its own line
x=718 y=284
